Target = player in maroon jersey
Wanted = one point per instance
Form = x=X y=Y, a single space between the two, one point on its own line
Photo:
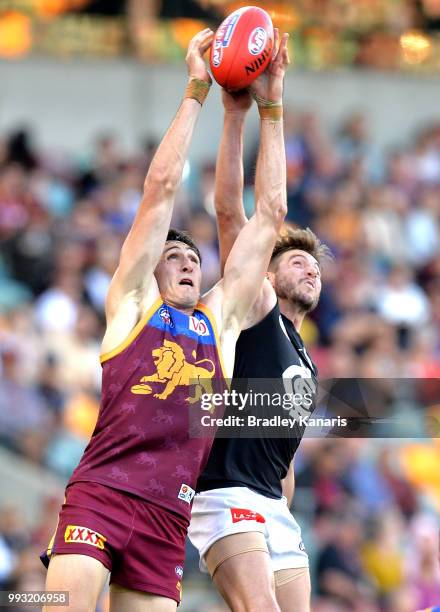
x=127 y=504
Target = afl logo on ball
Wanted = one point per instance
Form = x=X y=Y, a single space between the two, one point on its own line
x=217 y=53
x=229 y=27
x=257 y=41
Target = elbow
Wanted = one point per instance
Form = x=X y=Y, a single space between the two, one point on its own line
x=229 y=209
x=222 y=211
x=274 y=210
x=162 y=178
x=281 y=212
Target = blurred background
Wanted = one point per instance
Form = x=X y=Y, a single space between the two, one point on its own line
x=86 y=91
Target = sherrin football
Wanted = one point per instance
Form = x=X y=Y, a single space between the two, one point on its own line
x=242 y=47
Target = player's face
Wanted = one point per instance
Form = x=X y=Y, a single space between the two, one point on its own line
x=297 y=278
x=178 y=275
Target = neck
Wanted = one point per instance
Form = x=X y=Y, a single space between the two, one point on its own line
x=186 y=310
x=292 y=312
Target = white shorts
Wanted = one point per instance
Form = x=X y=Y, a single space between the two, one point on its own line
x=221 y=512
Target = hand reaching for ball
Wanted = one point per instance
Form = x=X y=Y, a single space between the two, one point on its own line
x=269 y=84
x=242 y=47
x=197 y=47
x=236 y=101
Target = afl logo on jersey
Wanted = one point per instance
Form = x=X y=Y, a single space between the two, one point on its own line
x=186 y=493
x=179 y=571
x=198 y=326
x=164 y=314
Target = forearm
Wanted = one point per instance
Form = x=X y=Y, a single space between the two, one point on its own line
x=267 y=91
x=229 y=183
x=144 y=243
x=270 y=180
x=256 y=240
x=167 y=165
x=162 y=181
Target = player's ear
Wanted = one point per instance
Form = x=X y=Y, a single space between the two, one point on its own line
x=271 y=278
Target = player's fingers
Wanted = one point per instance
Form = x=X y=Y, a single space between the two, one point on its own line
x=204 y=36
x=240 y=94
x=206 y=41
x=276 y=37
x=199 y=38
x=203 y=33
x=284 y=49
x=283 y=53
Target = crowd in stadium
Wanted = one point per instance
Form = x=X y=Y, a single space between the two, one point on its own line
x=367 y=506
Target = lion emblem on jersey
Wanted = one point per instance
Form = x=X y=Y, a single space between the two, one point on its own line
x=173 y=370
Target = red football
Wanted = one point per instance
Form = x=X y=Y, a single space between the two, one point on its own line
x=242 y=47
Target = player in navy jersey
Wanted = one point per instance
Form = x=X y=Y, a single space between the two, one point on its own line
x=127 y=505
x=241 y=523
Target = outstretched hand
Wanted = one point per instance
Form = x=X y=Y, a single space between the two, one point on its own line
x=236 y=101
x=197 y=47
x=269 y=85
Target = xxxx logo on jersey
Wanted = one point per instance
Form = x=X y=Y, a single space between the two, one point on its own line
x=75 y=534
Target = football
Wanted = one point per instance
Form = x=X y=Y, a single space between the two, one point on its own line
x=242 y=47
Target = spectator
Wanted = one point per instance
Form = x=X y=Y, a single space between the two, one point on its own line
x=61 y=227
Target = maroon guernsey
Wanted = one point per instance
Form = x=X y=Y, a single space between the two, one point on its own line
x=141 y=442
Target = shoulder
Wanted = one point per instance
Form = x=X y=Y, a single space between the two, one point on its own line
x=213 y=301
x=124 y=317
x=262 y=306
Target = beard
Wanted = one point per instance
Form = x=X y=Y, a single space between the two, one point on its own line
x=298 y=297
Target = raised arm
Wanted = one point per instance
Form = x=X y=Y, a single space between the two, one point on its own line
x=133 y=287
x=228 y=195
x=249 y=258
x=267 y=90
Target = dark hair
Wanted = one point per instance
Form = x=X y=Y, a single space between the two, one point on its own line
x=302 y=240
x=180 y=236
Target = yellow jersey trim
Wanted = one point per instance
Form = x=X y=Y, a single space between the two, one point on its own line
x=52 y=539
x=134 y=332
x=207 y=312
